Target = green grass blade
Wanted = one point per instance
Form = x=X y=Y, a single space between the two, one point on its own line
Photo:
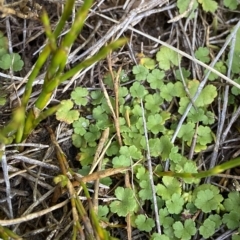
x=64 y=17
x=47 y=27
x=213 y=171
x=77 y=25
x=28 y=89
x=32 y=122
x=59 y=59
x=18 y=118
x=97 y=57
x=41 y=60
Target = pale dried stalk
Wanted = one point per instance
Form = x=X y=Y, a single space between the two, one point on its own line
x=150 y=170
x=32 y=215
x=6 y=179
x=36 y=162
x=101 y=144
x=115 y=117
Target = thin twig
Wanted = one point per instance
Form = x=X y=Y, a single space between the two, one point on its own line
x=116 y=92
x=36 y=203
x=150 y=170
x=180 y=70
x=99 y=149
x=6 y=179
x=36 y=162
x=193 y=143
x=232 y=120
x=128 y=218
x=116 y=121
x=194 y=71
x=33 y=215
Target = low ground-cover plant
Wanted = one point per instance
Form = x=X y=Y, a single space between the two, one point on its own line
x=186 y=8
x=8 y=61
x=180 y=201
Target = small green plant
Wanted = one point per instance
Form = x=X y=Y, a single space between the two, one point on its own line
x=126 y=202
x=178 y=200
x=7 y=60
x=186 y=8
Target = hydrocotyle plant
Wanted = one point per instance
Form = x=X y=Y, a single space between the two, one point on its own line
x=180 y=196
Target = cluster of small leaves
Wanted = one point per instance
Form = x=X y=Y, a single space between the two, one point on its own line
x=232 y=206
x=89 y=113
x=88 y=127
x=7 y=60
x=126 y=202
x=203 y=55
x=205 y=197
x=188 y=6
